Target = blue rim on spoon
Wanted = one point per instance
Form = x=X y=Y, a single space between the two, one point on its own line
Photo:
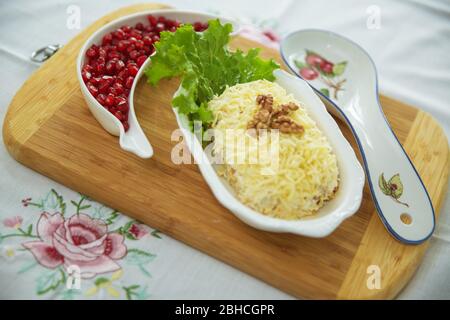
x=343 y=115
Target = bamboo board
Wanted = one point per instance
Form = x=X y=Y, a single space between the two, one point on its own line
x=49 y=128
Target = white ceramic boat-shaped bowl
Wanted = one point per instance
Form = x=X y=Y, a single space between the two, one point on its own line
x=134 y=140
x=347 y=200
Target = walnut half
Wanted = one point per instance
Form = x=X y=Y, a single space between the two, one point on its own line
x=268 y=117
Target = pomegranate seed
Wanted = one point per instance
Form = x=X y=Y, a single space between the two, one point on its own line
x=140 y=61
x=152 y=20
x=119 y=34
x=133 y=54
x=139 y=26
x=91 y=53
x=86 y=75
x=118 y=115
x=118 y=88
x=110 y=66
x=101 y=98
x=140 y=44
x=122 y=45
x=93 y=90
x=110 y=100
x=198 y=26
x=155 y=38
x=102 y=53
x=126 y=29
x=132 y=69
x=123 y=106
x=162 y=19
x=95 y=81
x=120 y=65
x=113 y=55
x=130 y=48
x=147 y=41
x=126 y=126
x=160 y=26
x=129 y=82
x=107 y=39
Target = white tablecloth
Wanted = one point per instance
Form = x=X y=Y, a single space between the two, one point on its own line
x=411 y=49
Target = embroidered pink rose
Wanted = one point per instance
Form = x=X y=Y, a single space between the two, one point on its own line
x=13 y=222
x=79 y=240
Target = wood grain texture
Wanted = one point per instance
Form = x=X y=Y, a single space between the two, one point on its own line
x=49 y=128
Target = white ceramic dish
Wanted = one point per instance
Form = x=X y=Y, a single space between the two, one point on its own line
x=134 y=140
x=347 y=200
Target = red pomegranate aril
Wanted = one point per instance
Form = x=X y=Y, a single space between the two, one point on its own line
x=118 y=88
x=119 y=65
x=133 y=69
x=119 y=115
x=95 y=81
x=123 y=106
x=198 y=26
x=93 y=90
x=140 y=44
x=92 y=52
x=101 y=98
x=147 y=41
x=110 y=100
x=119 y=34
x=122 y=45
x=107 y=38
x=139 y=26
x=126 y=126
x=110 y=67
x=160 y=26
x=102 y=53
x=113 y=55
x=126 y=28
x=133 y=54
x=155 y=38
x=173 y=29
x=86 y=75
x=129 y=82
x=140 y=60
x=152 y=20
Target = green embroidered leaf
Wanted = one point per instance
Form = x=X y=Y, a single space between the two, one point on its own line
x=50 y=281
x=156 y=233
x=30 y=229
x=396 y=186
x=383 y=185
x=339 y=68
x=112 y=216
x=53 y=201
x=130 y=291
x=139 y=257
x=325 y=92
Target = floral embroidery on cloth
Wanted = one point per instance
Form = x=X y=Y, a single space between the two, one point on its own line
x=92 y=245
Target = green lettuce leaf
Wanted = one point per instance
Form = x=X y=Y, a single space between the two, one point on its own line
x=206 y=67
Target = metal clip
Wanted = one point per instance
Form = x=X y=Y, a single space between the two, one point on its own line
x=44 y=53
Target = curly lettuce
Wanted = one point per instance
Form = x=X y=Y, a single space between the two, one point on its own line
x=205 y=65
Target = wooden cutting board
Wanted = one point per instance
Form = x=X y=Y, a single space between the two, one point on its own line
x=49 y=128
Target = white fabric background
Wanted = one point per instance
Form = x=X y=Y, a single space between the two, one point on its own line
x=411 y=51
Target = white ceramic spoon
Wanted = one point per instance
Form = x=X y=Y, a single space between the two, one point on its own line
x=350 y=86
